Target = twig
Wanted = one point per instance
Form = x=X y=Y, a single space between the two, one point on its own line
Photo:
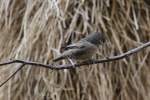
x=26 y=63
x=12 y=75
x=69 y=66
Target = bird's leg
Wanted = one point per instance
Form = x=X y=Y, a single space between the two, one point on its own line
x=72 y=61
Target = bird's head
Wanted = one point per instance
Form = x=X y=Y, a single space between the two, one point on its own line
x=96 y=38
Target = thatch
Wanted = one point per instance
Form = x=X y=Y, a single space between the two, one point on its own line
x=35 y=29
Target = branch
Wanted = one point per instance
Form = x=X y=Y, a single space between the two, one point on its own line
x=69 y=66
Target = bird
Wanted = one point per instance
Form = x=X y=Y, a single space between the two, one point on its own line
x=84 y=49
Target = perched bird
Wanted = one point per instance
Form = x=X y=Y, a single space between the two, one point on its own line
x=83 y=49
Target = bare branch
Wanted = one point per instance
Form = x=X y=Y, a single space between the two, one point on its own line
x=69 y=66
x=27 y=63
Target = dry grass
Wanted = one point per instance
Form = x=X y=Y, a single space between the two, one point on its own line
x=31 y=29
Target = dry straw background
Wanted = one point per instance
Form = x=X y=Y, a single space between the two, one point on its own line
x=35 y=30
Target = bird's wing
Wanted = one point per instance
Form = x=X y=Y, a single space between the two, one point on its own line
x=74 y=46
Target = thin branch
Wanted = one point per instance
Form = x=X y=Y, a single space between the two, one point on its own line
x=69 y=66
x=27 y=63
x=12 y=75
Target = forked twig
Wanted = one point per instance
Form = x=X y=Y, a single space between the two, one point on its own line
x=69 y=66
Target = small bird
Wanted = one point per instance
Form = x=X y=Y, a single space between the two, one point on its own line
x=83 y=49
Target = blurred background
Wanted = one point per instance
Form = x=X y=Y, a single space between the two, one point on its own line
x=36 y=30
